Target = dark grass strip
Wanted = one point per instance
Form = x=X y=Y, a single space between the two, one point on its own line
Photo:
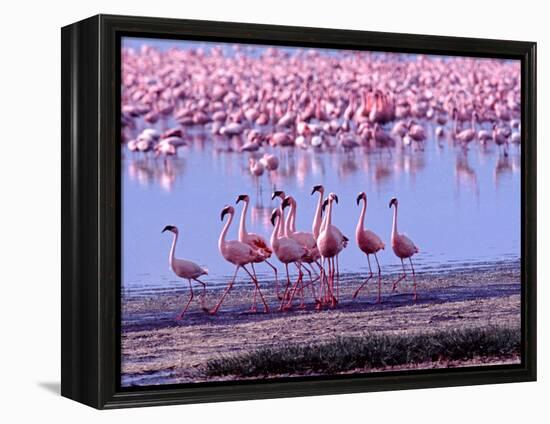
x=370 y=351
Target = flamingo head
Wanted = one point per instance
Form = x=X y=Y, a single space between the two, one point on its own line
x=287 y=201
x=171 y=228
x=226 y=210
x=242 y=197
x=393 y=202
x=318 y=188
x=332 y=197
x=278 y=193
x=361 y=195
x=274 y=215
x=325 y=203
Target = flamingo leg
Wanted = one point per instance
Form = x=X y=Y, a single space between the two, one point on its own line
x=318 y=277
x=229 y=287
x=203 y=295
x=294 y=287
x=302 y=304
x=311 y=280
x=414 y=279
x=253 y=307
x=401 y=277
x=319 y=301
x=366 y=281
x=330 y=275
x=266 y=308
x=322 y=282
x=330 y=294
x=327 y=275
x=337 y=279
x=288 y=284
x=314 y=272
x=379 y=280
x=180 y=316
x=276 y=278
x=332 y=298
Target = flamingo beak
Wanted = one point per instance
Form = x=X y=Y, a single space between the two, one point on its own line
x=316 y=188
x=359 y=198
x=225 y=211
x=336 y=198
x=276 y=194
x=273 y=216
x=242 y=197
x=325 y=203
x=393 y=202
x=167 y=228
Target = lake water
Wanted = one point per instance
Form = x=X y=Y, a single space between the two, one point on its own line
x=459 y=208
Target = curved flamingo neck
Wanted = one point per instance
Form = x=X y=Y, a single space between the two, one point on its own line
x=275 y=234
x=394 y=227
x=291 y=224
x=221 y=240
x=317 y=219
x=281 y=232
x=172 y=255
x=328 y=219
x=288 y=224
x=361 y=223
x=242 y=225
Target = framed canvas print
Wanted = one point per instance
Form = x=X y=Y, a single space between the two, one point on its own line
x=254 y=211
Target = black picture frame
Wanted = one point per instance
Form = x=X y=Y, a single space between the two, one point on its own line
x=91 y=205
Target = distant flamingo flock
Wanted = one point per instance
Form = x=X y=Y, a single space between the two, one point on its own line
x=256 y=102
x=313 y=253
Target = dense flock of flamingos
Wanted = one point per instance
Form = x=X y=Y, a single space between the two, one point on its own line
x=254 y=103
x=259 y=101
x=315 y=253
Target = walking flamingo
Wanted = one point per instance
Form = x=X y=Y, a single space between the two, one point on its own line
x=257 y=242
x=287 y=251
x=403 y=247
x=330 y=242
x=239 y=254
x=369 y=243
x=303 y=238
x=185 y=269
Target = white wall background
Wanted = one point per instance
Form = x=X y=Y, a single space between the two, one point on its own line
x=30 y=212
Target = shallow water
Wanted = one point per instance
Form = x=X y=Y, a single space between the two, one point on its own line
x=457 y=207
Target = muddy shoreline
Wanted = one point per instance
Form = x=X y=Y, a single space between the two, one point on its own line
x=157 y=349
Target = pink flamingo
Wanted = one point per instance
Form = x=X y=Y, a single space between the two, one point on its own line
x=287 y=251
x=416 y=132
x=304 y=238
x=239 y=254
x=185 y=269
x=330 y=243
x=403 y=247
x=269 y=161
x=256 y=242
x=369 y=243
x=501 y=139
x=316 y=229
x=467 y=135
